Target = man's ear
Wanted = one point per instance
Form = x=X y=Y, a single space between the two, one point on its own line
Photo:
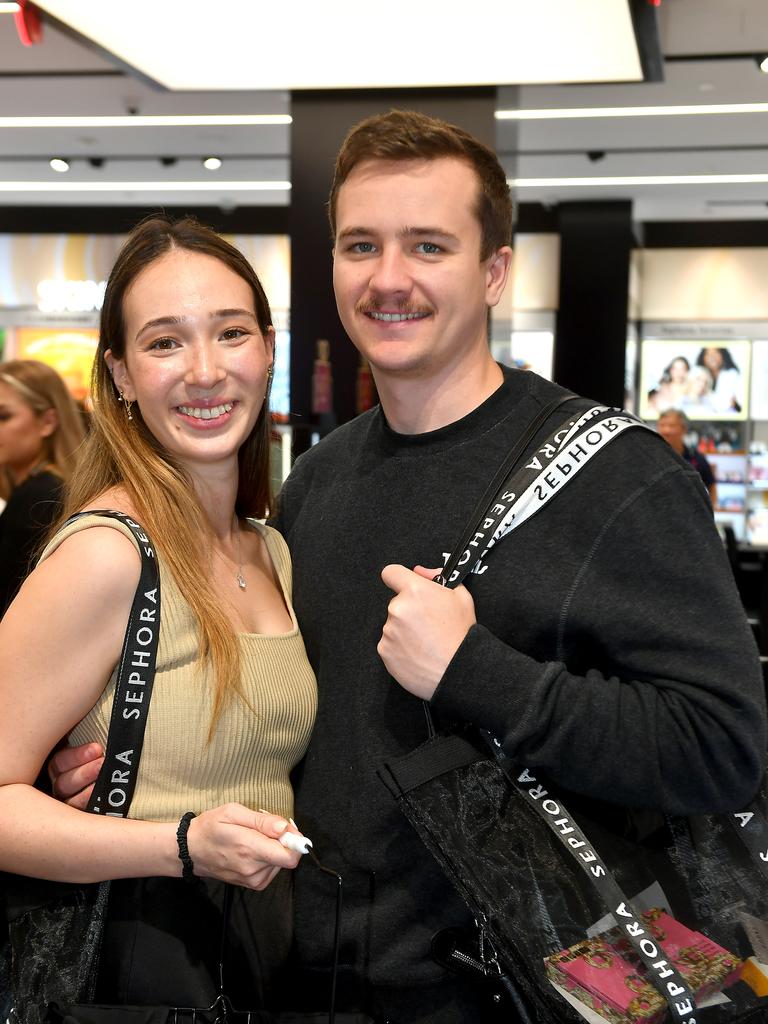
x=120 y=375
x=499 y=265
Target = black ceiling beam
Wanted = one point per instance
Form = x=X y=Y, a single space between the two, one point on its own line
x=692 y=58
x=117 y=220
x=536 y=219
x=646 y=25
x=708 y=234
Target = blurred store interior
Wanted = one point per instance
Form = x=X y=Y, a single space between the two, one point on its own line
x=634 y=134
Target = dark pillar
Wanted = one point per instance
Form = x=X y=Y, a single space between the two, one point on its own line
x=590 y=343
x=320 y=122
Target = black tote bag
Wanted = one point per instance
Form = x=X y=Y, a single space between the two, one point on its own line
x=631 y=916
x=55 y=928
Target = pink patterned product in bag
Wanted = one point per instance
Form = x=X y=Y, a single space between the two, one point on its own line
x=598 y=975
x=606 y=974
x=706 y=967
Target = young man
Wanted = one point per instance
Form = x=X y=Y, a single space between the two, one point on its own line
x=582 y=643
x=673 y=426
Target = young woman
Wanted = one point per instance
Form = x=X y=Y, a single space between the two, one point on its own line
x=726 y=378
x=41 y=429
x=179 y=442
x=672 y=387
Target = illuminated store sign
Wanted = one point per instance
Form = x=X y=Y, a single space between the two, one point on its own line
x=56 y=296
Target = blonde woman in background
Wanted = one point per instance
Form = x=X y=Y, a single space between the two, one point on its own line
x=41 y=429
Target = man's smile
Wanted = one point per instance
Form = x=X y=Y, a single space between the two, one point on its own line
x=394 y=317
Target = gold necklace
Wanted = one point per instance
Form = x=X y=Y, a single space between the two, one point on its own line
x=241 y=581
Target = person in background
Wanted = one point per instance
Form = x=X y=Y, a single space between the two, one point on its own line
x=673 y=385
x=673 y=426
x=726 y=378
x=41 y=429
x=698 y=402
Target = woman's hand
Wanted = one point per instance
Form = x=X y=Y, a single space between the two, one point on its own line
x=235 y=844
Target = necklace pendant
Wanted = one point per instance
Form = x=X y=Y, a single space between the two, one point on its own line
x=241 y=581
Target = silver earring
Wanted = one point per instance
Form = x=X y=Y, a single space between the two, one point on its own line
x=126 y=402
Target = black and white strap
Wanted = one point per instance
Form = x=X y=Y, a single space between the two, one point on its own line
x=114 y=788
x=517 y=494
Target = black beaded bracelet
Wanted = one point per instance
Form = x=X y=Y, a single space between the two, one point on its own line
x=187 y=868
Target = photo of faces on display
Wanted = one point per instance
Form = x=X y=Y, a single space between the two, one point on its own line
x=707 y=381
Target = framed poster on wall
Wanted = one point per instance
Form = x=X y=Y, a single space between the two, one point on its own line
x=707 y=381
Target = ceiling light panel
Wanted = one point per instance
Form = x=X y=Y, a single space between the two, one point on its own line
x=429 y=43
x=658 y=110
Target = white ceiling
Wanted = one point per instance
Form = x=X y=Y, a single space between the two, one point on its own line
x=193 y=44
x=64 y=76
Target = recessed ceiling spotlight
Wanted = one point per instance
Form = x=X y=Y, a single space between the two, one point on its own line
x=168 y=161
x=96 y=161
x=57 y=164
x=211 y=163
x=762 y=63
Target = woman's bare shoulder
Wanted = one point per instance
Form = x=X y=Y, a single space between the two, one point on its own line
x=61 y=638
x=108 y=558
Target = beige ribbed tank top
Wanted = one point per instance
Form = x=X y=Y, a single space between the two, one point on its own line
x=252 y=751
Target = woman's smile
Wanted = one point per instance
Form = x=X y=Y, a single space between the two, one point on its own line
x=206 y=416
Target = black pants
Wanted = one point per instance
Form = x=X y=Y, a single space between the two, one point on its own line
x=163 y=938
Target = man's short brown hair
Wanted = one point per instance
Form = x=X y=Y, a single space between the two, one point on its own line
x=410 y=135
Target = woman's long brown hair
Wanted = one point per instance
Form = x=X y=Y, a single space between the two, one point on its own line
x=122 y=452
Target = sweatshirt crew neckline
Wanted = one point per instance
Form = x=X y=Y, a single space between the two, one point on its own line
x=495 y=408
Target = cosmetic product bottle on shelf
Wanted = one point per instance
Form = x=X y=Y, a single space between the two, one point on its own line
x=322 y=388
x=365 y=389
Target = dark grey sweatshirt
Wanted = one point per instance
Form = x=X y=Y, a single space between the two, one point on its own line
x=611 y=652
